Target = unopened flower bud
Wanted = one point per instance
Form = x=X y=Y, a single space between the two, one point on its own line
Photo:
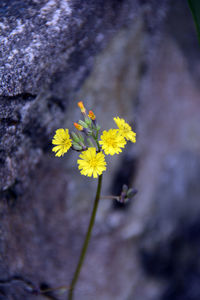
x=124 y=197
x=78 y=126
x=81 y=106
x=124 y=188
x=131 y=193
x=87 y=131
x=91 y=115
x=82 y=123
x=76 y=147
x=75 y=137
x=88 y=121
x=90 y=143
x=81 y=138
x=98 y=127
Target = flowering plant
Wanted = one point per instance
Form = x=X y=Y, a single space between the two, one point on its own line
x=92 y=159
x=93 y=145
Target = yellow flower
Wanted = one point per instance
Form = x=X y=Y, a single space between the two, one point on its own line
x=112 y=141
x=62 y=140
x=91 y=163
x=125 y=129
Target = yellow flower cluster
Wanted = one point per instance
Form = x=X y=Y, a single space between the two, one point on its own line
x=92 y=159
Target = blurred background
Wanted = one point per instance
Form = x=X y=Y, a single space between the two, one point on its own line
x=136 y=59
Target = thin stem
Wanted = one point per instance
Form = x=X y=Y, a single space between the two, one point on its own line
x=98 y=146
x=95 y=138
x=60 y=288
x=110 y=197
x=86 y=241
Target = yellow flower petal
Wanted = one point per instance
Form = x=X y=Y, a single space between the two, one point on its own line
x=112 y=142
x=91 y=163
x=125 y=130
x=62 y=140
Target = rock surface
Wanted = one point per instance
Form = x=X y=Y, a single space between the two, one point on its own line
x=126 y=58
x=47 y=49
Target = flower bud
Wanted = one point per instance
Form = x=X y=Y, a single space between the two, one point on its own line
x=88 y=121
x=81 y=138
x=91 y=115
x=78 y=126
x=82 y=123
x=131 y=193
x=124 y=188
x=75 y=137
x=77 y=147
x=126 y=194
x=87 y=131
x=81 y=106
x=90 y=143
x=98 y=127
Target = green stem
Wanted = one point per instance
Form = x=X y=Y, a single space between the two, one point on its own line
x=86 y=241
x=110 y=197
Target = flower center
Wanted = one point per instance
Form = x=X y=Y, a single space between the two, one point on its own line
x=111 y=142
x=64 y=141
x=93 y=163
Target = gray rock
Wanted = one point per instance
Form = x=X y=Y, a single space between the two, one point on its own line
x=42 y=38
x=118 y=58
x=47 y=50
x=45 y=46
x=169 y=247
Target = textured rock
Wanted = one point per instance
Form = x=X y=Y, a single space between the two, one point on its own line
x=165 y=219
x=40 y=38
x=45 y=45
x=170 y=245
